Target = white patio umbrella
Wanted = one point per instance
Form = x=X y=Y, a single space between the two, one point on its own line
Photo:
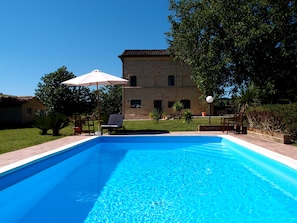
x=95 y=78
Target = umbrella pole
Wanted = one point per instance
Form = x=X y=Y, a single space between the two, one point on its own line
x=99 y=126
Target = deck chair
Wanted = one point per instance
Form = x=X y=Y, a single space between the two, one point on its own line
x=115 y=121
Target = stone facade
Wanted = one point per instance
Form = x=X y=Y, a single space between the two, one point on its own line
x=157 y=81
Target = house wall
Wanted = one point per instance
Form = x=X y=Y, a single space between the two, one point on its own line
x=29 y=109
x=10 y=116
x=152 y=84
x=19 y=112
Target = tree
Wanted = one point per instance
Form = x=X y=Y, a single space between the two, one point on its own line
x=248 y=96
x=110 y=99
x=229 y=44
x=59 y=98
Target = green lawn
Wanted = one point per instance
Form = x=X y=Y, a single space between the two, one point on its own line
x=14 y=139
x=169 y=125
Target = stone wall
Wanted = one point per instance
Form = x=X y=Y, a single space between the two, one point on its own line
x=269 y=135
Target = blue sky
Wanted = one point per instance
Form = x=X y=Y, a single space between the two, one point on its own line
x=39 y=36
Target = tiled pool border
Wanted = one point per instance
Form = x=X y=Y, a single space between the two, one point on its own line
x=34 y=158
x=263 y=151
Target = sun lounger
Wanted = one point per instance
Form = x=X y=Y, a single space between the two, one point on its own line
x=115 y=121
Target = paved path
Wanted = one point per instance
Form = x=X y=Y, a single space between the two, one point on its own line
x=11 y=157
x=14 y=156
x=284 y=149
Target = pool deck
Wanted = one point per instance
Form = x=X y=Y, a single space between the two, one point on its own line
x=12 y=157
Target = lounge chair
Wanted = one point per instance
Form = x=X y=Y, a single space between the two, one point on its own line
x=115 y=121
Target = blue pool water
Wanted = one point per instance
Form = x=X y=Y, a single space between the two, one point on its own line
x=151 y=179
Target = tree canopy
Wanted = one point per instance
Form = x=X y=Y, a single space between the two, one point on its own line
x=59 y=98
x=229 y=44
x=110 y=99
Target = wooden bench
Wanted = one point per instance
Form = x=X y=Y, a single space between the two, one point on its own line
x=235 y=123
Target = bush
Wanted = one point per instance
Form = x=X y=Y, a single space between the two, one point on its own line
x=290 y=118
x=55 y=122
x=42 y=124
x=277 y=118
x=188 y=116
x=155 y=114
x=177 y=107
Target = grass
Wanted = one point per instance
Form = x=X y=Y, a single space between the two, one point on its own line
x=14 y=139
x=169 y=125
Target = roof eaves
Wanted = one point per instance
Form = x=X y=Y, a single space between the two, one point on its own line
x=144 y=53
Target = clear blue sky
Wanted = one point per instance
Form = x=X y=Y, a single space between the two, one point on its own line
x=39 y=36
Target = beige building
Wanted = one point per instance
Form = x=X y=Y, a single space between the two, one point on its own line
x=17 y=111
x=157 y=81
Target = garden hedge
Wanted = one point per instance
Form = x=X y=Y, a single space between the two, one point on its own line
x=277 y=117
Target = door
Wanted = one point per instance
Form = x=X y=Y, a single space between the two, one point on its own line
x=158 y=105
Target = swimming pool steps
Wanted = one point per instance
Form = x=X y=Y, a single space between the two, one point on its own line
x=210 y=150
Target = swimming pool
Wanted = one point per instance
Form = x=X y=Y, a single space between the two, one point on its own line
x=152 y=179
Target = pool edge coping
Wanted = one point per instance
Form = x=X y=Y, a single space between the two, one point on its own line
x=10 y=167
x=290 y=162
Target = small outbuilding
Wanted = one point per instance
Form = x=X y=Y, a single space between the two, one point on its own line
x=18 y=111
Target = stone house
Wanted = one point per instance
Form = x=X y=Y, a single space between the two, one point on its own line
x=17 y=111
x=156 y=80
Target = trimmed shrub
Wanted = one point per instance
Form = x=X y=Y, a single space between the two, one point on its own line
x=277 y=118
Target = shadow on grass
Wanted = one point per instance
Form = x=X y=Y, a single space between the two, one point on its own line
x=139 y=132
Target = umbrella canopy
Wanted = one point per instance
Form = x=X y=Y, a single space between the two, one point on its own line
x=95 y=78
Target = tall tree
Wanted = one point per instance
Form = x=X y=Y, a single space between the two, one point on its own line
x=111 y=99
x=232 y=43
x=61 y=98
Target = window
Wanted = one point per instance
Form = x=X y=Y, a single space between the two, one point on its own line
x=170 y=104
x=158 y=105
x=133 y=81
x=186 y=103
x=170 y=80
x=135 y=104
x=28 y=111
